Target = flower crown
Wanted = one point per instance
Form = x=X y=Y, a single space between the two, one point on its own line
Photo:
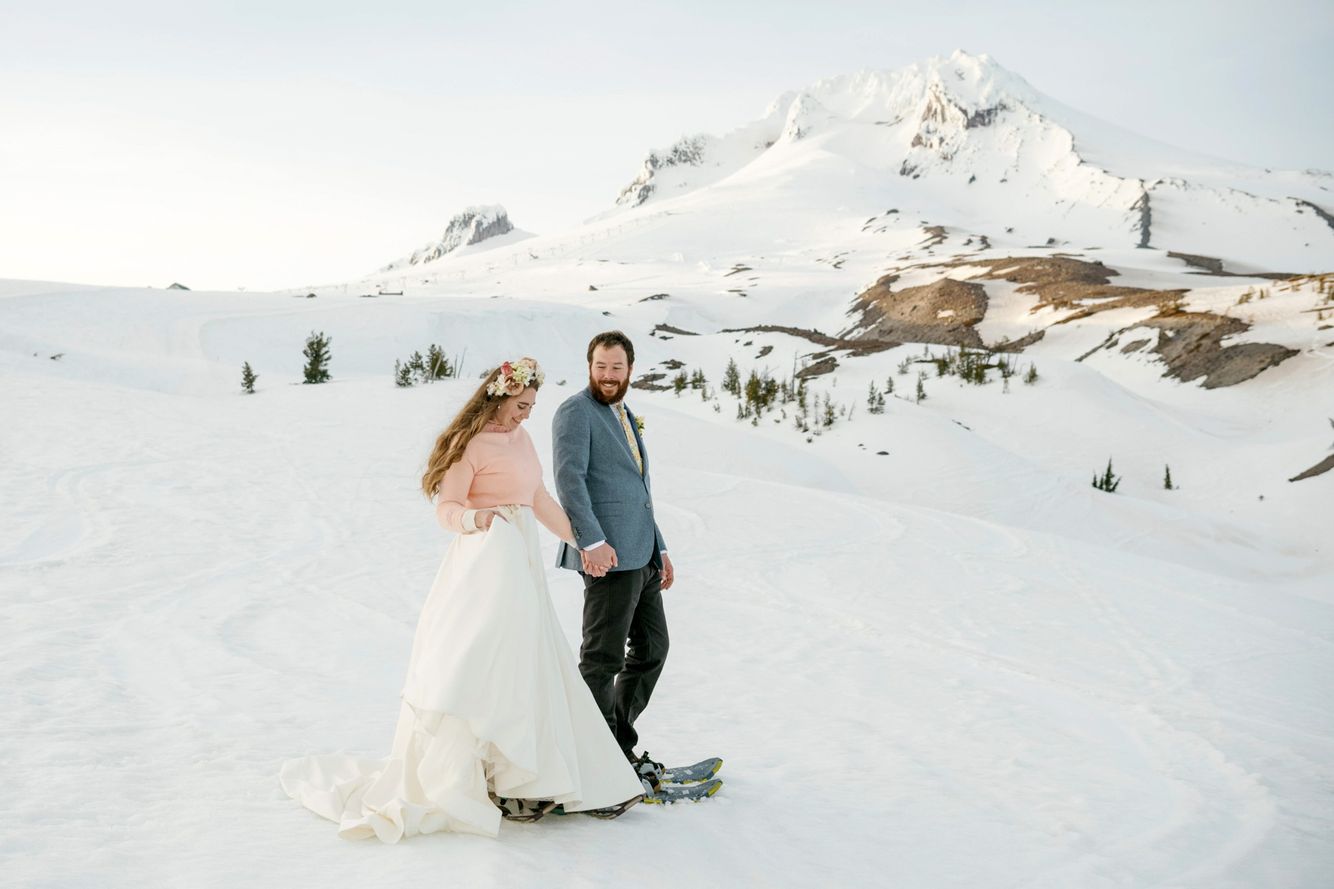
x=515 y=376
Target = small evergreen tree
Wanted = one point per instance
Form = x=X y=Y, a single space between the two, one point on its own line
x=1032 y=376
x=889 y=385
x=1108 y=482
x=732 y=378
x=1167 y=478
x=317 y=358
x=248 y=378
x=437 y=365
x=417 y=367
x=679 y=382
x=754 y=390
x=921 y=390
x=875 y=401
x=402 y=375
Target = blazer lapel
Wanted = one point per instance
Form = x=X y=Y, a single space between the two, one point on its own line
x=608 y=414
x=643 y=451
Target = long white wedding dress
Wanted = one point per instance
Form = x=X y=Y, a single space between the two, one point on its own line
x=493 y=702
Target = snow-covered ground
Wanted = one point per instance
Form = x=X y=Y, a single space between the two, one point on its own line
x=952 y=665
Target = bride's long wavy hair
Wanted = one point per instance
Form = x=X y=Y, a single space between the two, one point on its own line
x=479 y=410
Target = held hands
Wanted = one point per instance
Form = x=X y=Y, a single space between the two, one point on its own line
x=485 y=517
x=598 y=560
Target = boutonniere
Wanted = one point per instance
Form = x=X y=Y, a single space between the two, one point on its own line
x=639 y=424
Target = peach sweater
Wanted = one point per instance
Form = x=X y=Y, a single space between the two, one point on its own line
x=497 y=468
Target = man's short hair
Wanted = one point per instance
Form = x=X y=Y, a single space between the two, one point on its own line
x=610 y=338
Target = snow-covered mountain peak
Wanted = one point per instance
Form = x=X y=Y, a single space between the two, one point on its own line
x=472 y=225
x=971 y=83
x=966 y=142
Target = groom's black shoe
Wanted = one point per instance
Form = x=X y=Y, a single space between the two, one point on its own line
x=649 y=771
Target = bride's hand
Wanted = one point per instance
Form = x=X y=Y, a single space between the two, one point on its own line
x=485 y=517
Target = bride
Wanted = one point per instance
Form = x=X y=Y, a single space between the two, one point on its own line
x=495 y=719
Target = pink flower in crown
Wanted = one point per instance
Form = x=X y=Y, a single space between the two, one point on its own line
x=516 y=376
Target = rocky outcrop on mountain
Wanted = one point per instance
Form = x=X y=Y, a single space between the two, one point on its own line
x=948 y=310
x=1191 y=345
x=945 y=312
x=687 y=152
x=472 y=226
x=1063 y=282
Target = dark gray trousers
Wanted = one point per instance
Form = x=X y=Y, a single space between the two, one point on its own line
x=624 y=647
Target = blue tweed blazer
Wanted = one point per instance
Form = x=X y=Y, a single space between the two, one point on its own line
x=600 y=487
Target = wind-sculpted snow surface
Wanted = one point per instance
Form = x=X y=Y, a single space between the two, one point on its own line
x=953 y=664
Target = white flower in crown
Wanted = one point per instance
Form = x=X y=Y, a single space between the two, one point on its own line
x=515 y=376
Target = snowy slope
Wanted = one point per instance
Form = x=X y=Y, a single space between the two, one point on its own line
x=950 y=662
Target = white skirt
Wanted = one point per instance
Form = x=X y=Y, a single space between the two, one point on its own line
x=493 y=702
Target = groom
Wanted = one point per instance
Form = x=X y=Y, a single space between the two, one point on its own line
x=602 y=481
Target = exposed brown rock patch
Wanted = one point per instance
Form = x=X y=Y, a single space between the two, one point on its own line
x=1320 y=468
x=944 y=311
x=669 y=329
x=855 y=345
x=935 y=234
x=1204 y=263
x=1191 y=345
x=827 y=364
x=947 y=312
x=650 y=382
x=1062 y=282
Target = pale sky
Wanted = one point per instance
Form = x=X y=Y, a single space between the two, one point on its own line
x=273 y=144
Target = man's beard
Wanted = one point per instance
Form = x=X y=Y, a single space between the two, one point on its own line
x=602 y=396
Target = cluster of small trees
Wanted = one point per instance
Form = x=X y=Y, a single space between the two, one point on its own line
x=969 y=365
x=418 y=369
x=695 y=381
x=762 y=393
x=432 y=366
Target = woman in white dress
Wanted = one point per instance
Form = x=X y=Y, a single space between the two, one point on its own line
x=495 y=720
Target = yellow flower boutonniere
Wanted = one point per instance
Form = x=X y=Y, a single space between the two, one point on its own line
x=639 y=425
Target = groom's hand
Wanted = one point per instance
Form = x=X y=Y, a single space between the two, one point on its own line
x=599 y=560
x=589 y=568
x=668 y=572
